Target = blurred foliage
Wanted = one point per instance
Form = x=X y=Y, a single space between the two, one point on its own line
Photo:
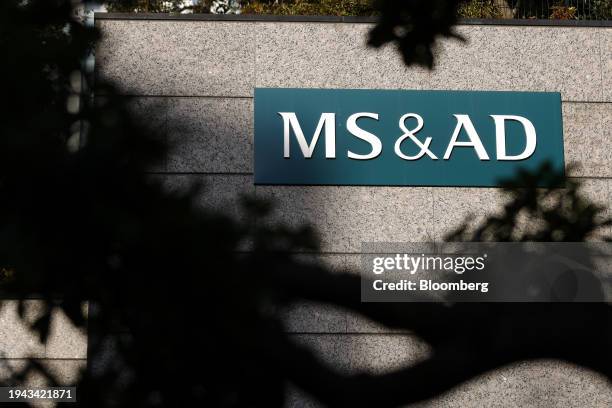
x=81 y=219
x=311 y=7
x=6 y=275
x=602 y=9
x=283 y=7
x=560 y=9
x=480 y=9
x=414 y=27
x=185 y=303
x=156 y=6
x=563 y=13
x=485 y=9
x=533 y=214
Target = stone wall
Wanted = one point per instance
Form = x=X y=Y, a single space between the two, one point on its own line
x=202 y=74
x=63 y=356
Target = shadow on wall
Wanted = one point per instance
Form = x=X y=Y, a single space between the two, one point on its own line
x=179 y=314
x=463 y=341
x=172 y=281
x=538 y=331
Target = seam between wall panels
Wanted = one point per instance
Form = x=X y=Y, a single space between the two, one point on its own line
x=254 y=42
x=390 y=333
x=29 y=357
x=251 y=97
x=603 y=99
x=259 y=18
x=601 y=66
x=236 y=174
x=242 y=174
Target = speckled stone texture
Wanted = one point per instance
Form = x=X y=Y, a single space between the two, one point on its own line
x=454 y=205
x=64 y=355
x=345 y=217
x=163 y=58
x=152 y=113
x=210 y=135
x=542 y=384
x=308 y=317
x=203 y=74
x=191 y=58
x=218 y=192
x=587 y=130
x=65 y=340
x=65 y=371
x=493 y=58
x=605 y=41
x=374 y=353
x=17 y=340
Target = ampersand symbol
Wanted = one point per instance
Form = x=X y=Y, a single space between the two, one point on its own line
x=411 y=134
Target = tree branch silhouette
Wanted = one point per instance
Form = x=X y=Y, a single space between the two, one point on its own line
x=179 y=313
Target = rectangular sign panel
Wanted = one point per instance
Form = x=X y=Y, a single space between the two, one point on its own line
x=403 y=138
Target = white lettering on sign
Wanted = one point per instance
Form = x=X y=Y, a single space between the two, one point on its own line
x=327 y=127
x=411 y=134
x=464 y=122
x=500 y=137
x=327 y=121
x=351 y=126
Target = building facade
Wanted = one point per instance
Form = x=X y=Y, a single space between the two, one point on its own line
x=202 y=72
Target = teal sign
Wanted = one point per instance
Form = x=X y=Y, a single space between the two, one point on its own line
x=403 y=138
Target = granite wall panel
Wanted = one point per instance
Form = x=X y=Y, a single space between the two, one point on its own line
x=231 y=58
x=454 y=205
x=587 y=138
x=189 y=58
x=346 y=217
x=17 y=339
x=311 y=55
x=204 y=73
x=605 y=43
x=543 y=384
x=210 y=135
